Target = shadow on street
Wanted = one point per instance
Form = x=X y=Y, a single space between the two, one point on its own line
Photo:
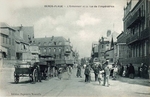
x=138 y=81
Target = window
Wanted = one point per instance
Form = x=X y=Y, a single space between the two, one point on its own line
x=59 y=49
x=9 y=32
x=67 y=49
x=10 y=41
x=54 y=49
x=49 y=49
x=145 y=48
x=60 y=43
x=3 y=38
x=54 y=43
x=39 y=43
x=6 y=40
x=44 y=50
x=44 y=43
x=60 y=56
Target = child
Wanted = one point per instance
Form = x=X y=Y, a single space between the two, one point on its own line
x=100 y=76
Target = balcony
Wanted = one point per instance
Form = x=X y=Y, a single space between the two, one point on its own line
x=136 y=18
x=136 y=37
x=132 y=38
x=145 y=34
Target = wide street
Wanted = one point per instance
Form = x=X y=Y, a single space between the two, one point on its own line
x=122 y=87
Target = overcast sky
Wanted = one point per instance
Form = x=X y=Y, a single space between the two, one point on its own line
x=83 y=25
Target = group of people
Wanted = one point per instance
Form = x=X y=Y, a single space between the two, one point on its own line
x=126 y=71
x=99 y=72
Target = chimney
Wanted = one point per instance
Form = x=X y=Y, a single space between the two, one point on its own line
x=52 y=38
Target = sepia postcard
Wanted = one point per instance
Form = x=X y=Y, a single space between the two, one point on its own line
x=74 y=48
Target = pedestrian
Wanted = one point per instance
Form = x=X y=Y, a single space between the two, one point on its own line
x=78 y=71
x=60 y=73
x=127 y=71
x=124 y=71
x=96 y=72
x=149 y=72
x=106 y=76
x=115 y=72
x=121 y=70
x=39 y=73
x=141 y=70
x=100 y=76
x=69 y=71
x=87 y=73
x=131 y=71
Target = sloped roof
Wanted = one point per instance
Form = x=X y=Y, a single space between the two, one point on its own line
x=5 y=25
x=50 y=41
x=26 y=29
x=2 y=24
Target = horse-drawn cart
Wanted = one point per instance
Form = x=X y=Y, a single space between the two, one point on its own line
x=25 y=69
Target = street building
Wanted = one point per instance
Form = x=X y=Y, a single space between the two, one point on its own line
x=102 y=48
x=55 y=48
x=7 y=41
x=122 y=50
x=137 y=31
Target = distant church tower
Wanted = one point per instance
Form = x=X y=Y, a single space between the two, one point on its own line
x=108 y=33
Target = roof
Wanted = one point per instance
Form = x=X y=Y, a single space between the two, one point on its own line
x=28 y=31
x=2 y=24
x=50 y=41
x=5 y=25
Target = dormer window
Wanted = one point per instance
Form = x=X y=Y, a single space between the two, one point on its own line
x=54 y=43
x=60 y=43
x=44 y=43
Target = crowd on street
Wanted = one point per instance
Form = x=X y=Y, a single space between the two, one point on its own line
x=103 y=72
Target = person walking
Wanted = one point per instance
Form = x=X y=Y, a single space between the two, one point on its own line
x=78 y=71
x=69 y=71
x=106 y=76
x=87 y=73
x=60 y=73
x=115 y=72
x=96 y=72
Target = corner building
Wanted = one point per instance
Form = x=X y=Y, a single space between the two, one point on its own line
x=57 y=49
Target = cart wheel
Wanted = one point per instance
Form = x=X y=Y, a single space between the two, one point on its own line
x=34 y=76
x=16 y=79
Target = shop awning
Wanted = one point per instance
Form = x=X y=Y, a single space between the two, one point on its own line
x=3 y=49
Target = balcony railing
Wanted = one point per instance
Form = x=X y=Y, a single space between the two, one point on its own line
x=132 y=38
x=136 y=37
x=137 y=17
x=145 y=34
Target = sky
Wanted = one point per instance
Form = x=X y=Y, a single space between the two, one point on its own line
x=77 y=20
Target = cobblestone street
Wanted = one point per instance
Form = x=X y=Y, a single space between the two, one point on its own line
x=122 y=87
